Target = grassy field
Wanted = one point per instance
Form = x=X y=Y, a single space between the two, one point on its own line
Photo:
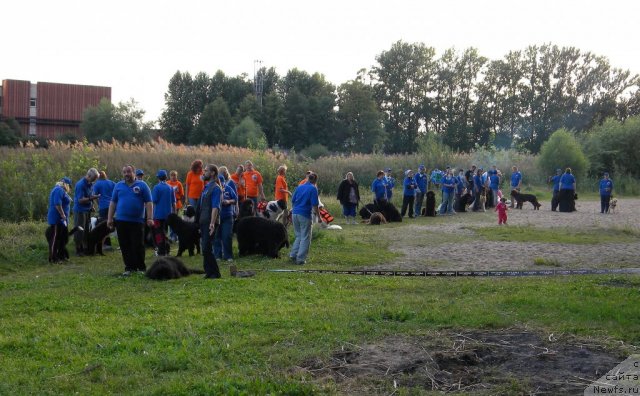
x=81 y=328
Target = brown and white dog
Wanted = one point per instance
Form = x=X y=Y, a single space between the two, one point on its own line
x=613 y=204
x=376 y=218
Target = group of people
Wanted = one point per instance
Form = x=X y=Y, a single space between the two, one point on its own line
x=130 y=206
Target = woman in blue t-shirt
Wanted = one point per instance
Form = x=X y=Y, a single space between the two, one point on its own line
x=566 y=196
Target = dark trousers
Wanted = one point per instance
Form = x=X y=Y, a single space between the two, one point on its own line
x=407 y=201
x=223 y=241
x=102 y=215
x=566 y=202
x=554 y=200
x=476 y=199
x=604 y=203
x=209 y=262
x=131 y=240
x=160 y=241
x=82 y=219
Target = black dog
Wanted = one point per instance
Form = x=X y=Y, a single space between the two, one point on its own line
x=387 y=209
x=522 y=198
x=246 y=209
x=190 y=211
x=188 y=234
x=463 y=202
x=430 y=209
x=57 y=238
x=168 y=267
x=257 y=235
x=96 y=238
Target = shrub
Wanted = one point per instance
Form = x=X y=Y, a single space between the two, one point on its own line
x=315 y=151
x=560 y=151
x=248 y=134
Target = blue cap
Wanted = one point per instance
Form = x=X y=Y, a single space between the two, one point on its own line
x=558 y=170
x=139 y=172
x=421 y=166
x=161 y=174
x=606 y=173
x=387 y=169
x=66 y=180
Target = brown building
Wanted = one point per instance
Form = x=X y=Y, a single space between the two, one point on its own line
x=47 y=109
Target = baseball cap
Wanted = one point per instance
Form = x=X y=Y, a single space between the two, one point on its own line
x=406 y=173
x=139 y=172
x=387 y=169
x=161 y=173
x=606 y=173
x=66 y=180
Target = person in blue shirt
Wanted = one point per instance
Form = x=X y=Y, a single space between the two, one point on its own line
x=461 y=186
x=223 y=240
x=448 y=190
x=103 y=188
x=606 y=188
x=82 y=205
x=390 y=182
x=478 y=188
x=130 y=203
x=58 y=215
x=422 y=183
x=516 y=182
x=494 y=185
x=305 y=203
x=566 y=196
x=379 y=188
x=409 y=193
x=555 y=180
x=208 y=215
x=164 y=203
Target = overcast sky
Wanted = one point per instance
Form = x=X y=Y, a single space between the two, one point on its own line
x=135 y=47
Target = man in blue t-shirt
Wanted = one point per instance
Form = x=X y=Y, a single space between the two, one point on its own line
x=223 y=241
x=82 y=205
x=606 y=188
x=422 y=183
x=103 y=188
x=555 y=180
x=208 y=219
x=130 y=202
x=305 y=203
x=409 y=193
x=164 y=203
x=494 y=185
x=448 y=189
x=516 y=182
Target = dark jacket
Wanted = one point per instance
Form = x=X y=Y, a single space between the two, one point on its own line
x=343 y=191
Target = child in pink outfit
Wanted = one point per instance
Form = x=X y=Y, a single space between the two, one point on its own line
x=501 y=208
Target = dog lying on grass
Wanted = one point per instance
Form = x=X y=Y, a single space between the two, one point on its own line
x=57 y=238
x=188 y=234
x=257 y=235
x=168 y=267
x=376 y=218
x=388 y=210
x=522 y=198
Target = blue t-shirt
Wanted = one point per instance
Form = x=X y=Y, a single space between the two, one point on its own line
x=391 y=183
x=409 y=187
x=494 y=181
x=229 y=193
x=566 y=181
x=421 y=181
x=556 y=182
x=451 y=184
x=130 y=200
x=606 y=186
x=515 y=178
x=82 y=190
x=104 y=187
x=379 y=189
x=461 y=183
x=477 y=183
x=305 y=197
x=216 y=195
x=164 y=198
x=58 y=197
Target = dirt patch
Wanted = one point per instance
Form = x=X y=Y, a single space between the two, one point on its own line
x=487 y=362
x=448 y=243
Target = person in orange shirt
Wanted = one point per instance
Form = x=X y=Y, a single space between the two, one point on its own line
x=306 y=178
x=194 y=185
x=239 y=181
x=178 y=190
x=281 y=192
x=253 y=183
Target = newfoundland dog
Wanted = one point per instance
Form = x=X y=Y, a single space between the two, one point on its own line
x=188 y=234
x=387 y=209
x=257 y=235
x=168 y=267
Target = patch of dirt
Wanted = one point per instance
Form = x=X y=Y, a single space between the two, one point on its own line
x=469 y=254
x=486 y=362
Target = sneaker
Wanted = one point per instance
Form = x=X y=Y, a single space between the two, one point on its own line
x=126 y=273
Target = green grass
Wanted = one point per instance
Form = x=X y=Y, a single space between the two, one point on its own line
x=80 y=328
x=556 y=235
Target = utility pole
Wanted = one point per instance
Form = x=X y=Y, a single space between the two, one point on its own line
x=258 y=81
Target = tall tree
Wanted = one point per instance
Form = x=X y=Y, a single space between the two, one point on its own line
x=122 y=122
x=214 y=125
x=177 y=119
x=361 y=121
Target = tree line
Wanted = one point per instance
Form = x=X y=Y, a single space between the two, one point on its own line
x=462 y=98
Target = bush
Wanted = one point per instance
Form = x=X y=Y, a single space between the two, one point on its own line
x=248 y=134
x=315 y=151
x=562 y=150
x=614 y=147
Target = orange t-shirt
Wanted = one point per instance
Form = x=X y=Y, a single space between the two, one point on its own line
x=194 y=184
x=242 y=193
x=303 y=181
x=281 y=184
x=251 y=182
x=178 y=191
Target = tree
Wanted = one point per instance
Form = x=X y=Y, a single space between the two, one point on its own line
x=248 y=134
x=214 y=125
x=122 y=122
x=360 y=119
x=614 y=147
x=9 y=132
x=273 y=118
x=178 y=118
x=560 y=151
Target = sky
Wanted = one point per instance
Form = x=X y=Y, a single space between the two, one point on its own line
x=135 y=47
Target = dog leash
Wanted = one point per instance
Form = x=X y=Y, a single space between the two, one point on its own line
x=458 y=274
